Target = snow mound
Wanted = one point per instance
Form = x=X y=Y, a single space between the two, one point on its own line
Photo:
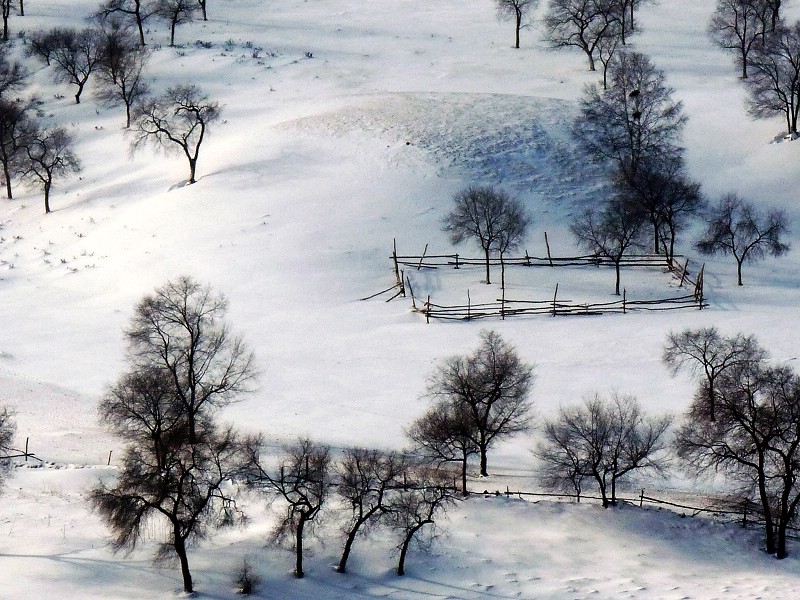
x=521 y=142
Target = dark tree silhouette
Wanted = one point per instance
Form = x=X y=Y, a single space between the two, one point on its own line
x=164 y=477
x=635 y=120
x=603 y=440
x=427 y=493
x=178 y=120
x=754 y=442
x=76 y=55
x=366 y=480
x=302 y=484
x=610 y=232
x=707 y=353
x=176 y=12
x=17 y=130
x=518 y=11
x=738 y=228
x=138 y=10
x=447 y=433
x=49 y=156
x=774 y=81
x=739 y=25
x=491 y=217
x=122 y=71
x=181 y=329
x=668 y=198
x=582 y=24
x=490 y=386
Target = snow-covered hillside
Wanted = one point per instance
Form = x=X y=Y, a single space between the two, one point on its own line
x=345 y=126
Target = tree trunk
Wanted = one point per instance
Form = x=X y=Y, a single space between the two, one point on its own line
x=348 y=544
x=483 y=449
x=739 y=271
x=298 y=566
x=21 y=8
x=7 y=175
x=180 y=549
x=46 y=197
x=401 y=570
x=519 y=26
x=590 y=56
x=486 y=253
x=464 y=475
x=192 y=169
x=140 y=26
x=172 y=25
x=617 y=268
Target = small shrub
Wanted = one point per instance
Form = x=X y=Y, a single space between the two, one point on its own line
x=246 y=581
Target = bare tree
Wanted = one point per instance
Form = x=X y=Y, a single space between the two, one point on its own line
x=603 y=440
x=122 y=72
x=13 y=74
x=635 y=120
x=774 y=82
x=181 y=328
x=707 y=353
x=739 y=25
x=518 y=11
x=754 y=442
x=6 y=7
x=738 y=228
x=176 y=12
x=627 y=10
x=184 y=485
x=49 y=156
x=581 y=23
x=177 y=120
x=76 y=55
x=366 y=480
x=427 y=493
x=491 y=386
x=17 y=130
x=302 y=483
x=447 y=433
x=610 y=232
x=489 y=216
x=138 y=10
x=667 y=197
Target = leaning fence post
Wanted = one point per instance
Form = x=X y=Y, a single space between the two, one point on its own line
x=26 y=448
x=421 y=258
x=547 y=243
x=109 y=458
x=685 y=272
x=641 y=499
x=554 y=300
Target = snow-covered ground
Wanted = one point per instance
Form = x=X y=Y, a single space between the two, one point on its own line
x=319 y=163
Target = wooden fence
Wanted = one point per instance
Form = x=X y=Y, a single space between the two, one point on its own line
x=505 y=307
x=743 y=511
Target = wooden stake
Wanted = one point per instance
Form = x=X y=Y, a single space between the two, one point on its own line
x=469 y=307
x=428 y=310
x=421 y=258
x=555 y=295
x=109 y=457
x=547 y=243
x=685 y=272
x=624 y=300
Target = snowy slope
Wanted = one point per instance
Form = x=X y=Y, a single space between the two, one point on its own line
x=320 y=162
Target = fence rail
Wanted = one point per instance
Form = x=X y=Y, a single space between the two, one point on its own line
x=745 y=512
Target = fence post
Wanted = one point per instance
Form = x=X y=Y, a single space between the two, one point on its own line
x=624 y=301
x=411 y=289
x=554 y=300
x=109 y=458
x=26 y=448
x=421 y=258
x=469 y=307
x=428 y=310
x=547 y=244
x=685 y=272
x=456 y=261
x=527 y=259
x=641 y=498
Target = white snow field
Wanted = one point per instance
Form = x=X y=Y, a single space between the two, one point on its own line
x=348 y=124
